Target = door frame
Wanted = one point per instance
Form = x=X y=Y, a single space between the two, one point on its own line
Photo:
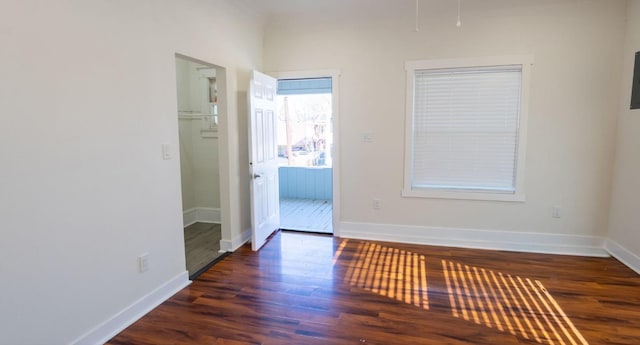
x=223 y=148
x=334 y=74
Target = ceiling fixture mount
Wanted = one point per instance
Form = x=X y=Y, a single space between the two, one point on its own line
x=417 y=28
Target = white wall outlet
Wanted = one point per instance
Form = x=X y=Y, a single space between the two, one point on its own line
x=166 y=151
x=556 y=212
x=143 y=263
x=376 y=204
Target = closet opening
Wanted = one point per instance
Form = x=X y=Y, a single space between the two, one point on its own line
x=197 y=95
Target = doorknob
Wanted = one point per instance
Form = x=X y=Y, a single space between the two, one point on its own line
x=255 y=176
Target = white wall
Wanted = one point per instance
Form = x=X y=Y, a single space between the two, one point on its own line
x=625 y=221
x=88 y=97
x=199 y=165
x=183 y=84
x=207 y=177
x=577 y=47
x=186 y=164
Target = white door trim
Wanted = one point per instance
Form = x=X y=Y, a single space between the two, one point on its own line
x=334 y=74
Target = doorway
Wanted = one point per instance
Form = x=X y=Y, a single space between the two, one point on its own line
x=305 y=150
x=197 y=96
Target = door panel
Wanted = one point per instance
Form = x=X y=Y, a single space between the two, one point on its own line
x=263 y=165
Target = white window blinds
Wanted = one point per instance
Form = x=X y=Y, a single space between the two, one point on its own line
x=465 y=128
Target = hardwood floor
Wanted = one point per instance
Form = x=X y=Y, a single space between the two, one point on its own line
x=306 y=215
x=312 y=289
x=201 y=245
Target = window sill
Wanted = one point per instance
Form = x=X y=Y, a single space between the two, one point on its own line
x=458 y=195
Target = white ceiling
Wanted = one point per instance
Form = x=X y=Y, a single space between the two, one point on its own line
x=374 y=8
x=305 y=8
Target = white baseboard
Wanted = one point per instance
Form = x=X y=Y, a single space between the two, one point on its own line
x=479 y=239
x=201 y=215
x=116 y=324
x=623 y=254
x=208 y=215
x=236 y=242
x=189 y=217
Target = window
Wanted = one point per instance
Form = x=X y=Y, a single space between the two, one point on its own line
x=466 y=128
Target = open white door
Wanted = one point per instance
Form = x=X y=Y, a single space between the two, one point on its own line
x=263 y=159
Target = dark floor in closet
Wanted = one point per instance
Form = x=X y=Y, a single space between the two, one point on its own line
x=202 y=245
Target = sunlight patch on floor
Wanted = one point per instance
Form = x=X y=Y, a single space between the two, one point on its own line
x=509 y=303
x=390 y=272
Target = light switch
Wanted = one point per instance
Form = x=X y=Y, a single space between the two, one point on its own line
x=166 y=151
x=143 y=263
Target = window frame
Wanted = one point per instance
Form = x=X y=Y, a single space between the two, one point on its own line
x=526 y=61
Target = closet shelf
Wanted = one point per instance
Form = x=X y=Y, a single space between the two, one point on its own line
x=192 y=116
x=209 y=133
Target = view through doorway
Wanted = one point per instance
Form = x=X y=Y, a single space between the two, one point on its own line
x=305 y=146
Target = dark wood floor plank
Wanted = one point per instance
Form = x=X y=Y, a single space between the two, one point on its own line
x=309 y=289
